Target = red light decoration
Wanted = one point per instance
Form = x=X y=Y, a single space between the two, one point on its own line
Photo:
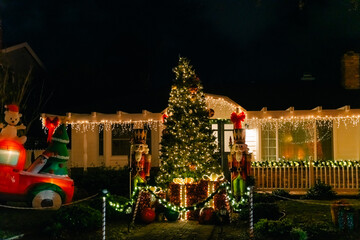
x=51 y=125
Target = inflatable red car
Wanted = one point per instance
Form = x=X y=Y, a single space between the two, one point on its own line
x=17 y=184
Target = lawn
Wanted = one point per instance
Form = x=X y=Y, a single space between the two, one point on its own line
x=304 y=214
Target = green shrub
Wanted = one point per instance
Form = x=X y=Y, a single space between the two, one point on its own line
x=282 y=193
x=298 y=234
x=320 y=191
x=318 y=230
x=78 y=217
x=271 y=230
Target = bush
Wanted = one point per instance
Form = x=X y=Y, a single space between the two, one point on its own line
x=78 y=217
x=282 y=193
x=320 y=191
x=298 y=234
x=271 y=230
x=262 y=210
x=317 y=230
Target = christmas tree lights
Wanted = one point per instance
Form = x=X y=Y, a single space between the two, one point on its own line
x=188 y=145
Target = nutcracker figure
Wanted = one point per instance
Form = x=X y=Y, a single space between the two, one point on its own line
x=239 y=159
x=140 y=158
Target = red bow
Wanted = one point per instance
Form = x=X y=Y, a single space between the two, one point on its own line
x=163 y=118
x=51 y=125
x=237 y=118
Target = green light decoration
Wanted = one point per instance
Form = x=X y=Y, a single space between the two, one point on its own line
x=305 y=163
x=237 y=206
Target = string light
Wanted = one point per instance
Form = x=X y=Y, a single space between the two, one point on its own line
x=303 y=121
x=237 y=206
x=305 y=163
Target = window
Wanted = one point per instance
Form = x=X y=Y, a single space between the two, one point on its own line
x=250 y=140
x=324 y=144
x=120 y=144
x=268 y=142
x=296 y=141
x=120 y=141
x=215 y=129
x=228 y=133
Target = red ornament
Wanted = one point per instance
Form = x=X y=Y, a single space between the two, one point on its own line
x=237 y=118
x=148 y=215
x=211 y=112
x=51 y=125
x=206 y=215
x=193 y=89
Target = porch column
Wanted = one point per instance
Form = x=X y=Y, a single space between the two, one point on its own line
x=85 y=156
x=311 y=160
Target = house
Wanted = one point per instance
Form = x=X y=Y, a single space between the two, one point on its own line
x=103 y=139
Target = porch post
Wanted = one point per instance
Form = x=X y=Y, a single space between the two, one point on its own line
x=85 y=156
x=311 y=160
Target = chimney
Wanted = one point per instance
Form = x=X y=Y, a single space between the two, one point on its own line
x=350 y=70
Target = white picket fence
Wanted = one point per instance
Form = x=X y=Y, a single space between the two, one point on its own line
x=344 y=180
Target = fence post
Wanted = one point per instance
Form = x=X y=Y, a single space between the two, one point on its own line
x=104 y=193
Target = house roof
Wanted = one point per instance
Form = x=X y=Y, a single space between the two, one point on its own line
x=20 y=57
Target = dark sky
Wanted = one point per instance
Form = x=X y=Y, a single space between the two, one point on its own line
x=117 y=55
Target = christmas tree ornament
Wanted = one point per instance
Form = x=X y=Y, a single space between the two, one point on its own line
x=171 y=215
x=193 y=89
x=206 y=215
x=148 y=215
x=211 y=112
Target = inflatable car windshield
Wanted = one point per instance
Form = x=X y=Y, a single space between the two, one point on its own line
x=38 y=189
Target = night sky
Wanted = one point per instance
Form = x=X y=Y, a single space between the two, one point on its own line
x=106 y=56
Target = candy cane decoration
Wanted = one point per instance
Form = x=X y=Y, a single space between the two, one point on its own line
x=104 y=214
x=251 y=213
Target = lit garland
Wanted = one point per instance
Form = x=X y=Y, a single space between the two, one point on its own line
x=301 y=121
x=305 y=163
x=237 y=206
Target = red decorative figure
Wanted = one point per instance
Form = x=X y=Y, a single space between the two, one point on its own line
x=140 y=157
x=239 y=159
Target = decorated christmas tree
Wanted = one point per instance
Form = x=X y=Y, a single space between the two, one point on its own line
x=57 y=153
x=187 y=145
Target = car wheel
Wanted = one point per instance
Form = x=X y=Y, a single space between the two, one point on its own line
x=47 y=199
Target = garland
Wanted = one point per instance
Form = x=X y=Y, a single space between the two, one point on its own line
x=306 y=163
x=237 y=206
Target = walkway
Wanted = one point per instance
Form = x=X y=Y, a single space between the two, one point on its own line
x=191 y=230
x=174 y=230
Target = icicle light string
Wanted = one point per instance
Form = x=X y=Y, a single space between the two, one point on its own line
x=300 y=122
x=124 y=126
